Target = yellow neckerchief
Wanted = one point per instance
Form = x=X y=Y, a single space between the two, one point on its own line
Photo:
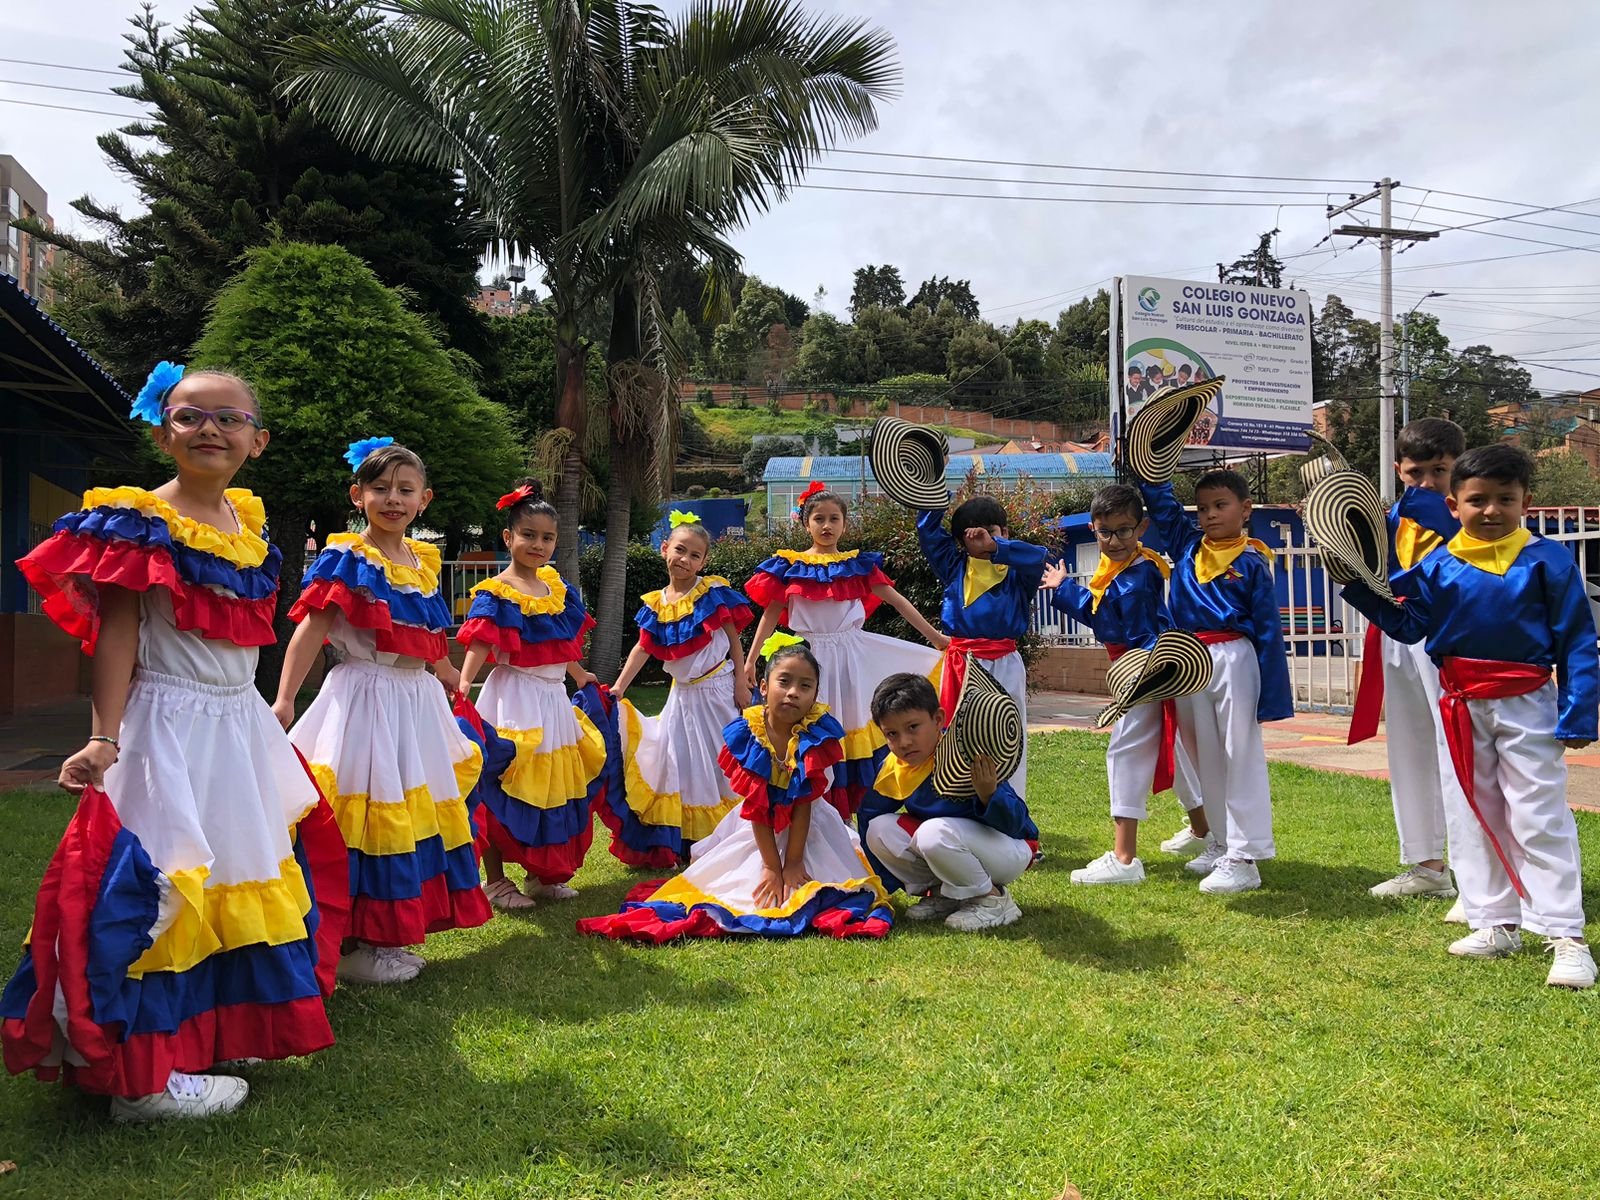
x=896 y=781
x=982 y=575
x=783 y=765
x=1108 y=569
x=1494 y=557
x=1216 y=555
x=1413 y=543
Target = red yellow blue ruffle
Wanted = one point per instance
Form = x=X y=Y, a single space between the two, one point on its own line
x=669 y=630
x=633 y=842
x=524 y=630
x=849 y=575
x=656 y=912
x=772 y=783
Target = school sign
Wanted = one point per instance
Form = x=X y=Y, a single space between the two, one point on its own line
x=1173 y=331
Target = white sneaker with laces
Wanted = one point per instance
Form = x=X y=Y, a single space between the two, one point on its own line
x=185 y=1096
x=1418 y=880
x=1573 y=966
x=503 y=894
x=1493 y=942
x=1185 y=841
x=548 y=891
x=369 y=964
x=401 y=955
x=1231 y=875
x=1207 y=858
x=1108 y=868
x=985 y=912
x=935 y=907
x=1457 y=914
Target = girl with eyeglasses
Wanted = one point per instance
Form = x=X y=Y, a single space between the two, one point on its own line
x=192 y=915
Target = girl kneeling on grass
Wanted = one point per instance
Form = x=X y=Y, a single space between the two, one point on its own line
x=380 y=736
x=193 y=912
x=781 y=864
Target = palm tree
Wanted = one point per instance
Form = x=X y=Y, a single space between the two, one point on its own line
x=606 y=140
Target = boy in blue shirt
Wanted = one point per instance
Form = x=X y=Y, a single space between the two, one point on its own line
x=963 y=852
x=1222 y=592
x=1502 y=611
x=1125 y=605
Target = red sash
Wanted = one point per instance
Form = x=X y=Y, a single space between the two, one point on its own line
x=1369 y=692
x=1463 y=679
x=1215 y=637
x=1166 y=763
x=955 y=665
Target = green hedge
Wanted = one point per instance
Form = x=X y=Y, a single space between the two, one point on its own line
x=728 y=478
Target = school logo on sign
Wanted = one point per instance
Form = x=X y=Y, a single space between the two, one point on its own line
x=1148 y=299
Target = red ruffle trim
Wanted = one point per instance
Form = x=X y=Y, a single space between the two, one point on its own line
x=410 y=640
x=328 y=862
x=408 y=922
x=62 y=568
x=547 y=864
x=767 y=590
x=646 y=925
x=655 y=857
x=506 y=645
x=753 y=787
x=847 y=800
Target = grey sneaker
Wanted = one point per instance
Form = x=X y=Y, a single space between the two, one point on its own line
x=1418 y=881
x=1573 y=966
x=373 y=964
x=1207 y=858
x=1493 y=942
x=986 y=912
x=935 y=907
x=1185 y=841
x=186 y=1096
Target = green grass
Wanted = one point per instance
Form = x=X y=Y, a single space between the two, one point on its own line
x=1301 y=1041
x=744 y=423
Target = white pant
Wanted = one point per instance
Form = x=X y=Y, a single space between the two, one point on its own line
x=967 y=857
x=1012 y=675
x=1220 y=731
x=1131 y=764
x=1520 y=781
x=1421 y=775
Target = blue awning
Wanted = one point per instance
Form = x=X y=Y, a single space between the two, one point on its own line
x=49 y=372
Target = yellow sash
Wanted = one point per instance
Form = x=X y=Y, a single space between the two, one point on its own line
x=1413 y=543
x=1108 y=569
x=1215 y=556
x=1494 y=557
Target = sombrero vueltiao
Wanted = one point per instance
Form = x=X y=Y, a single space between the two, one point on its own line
x=986 y=721
x=1314 y=470
x=1346 y=517
x=1158 y=432
x=1177 y=665
x=908 y=462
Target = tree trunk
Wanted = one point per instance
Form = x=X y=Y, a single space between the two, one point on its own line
x=571 y=415
x=610 y=607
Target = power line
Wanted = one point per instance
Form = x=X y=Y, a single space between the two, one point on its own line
x=1512 y=203
x=1072 y=183
x=61 y=87
x=68 y=108
x=28 y=62
x=995 y=162
x=829 y=187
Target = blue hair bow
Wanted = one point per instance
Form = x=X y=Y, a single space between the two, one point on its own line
x=358 y=451
x=163 y=378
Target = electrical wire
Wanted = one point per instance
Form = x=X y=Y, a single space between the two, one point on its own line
x=829 y=187
x=68 y=108
x=1072 y=183
x=28 y=62
x=996 y=162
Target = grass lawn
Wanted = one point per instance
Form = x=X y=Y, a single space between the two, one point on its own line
x=1301 y=1041
x=724 y=421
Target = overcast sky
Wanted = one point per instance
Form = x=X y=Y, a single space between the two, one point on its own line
x=1465 y=96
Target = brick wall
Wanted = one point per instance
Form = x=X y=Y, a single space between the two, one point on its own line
x=1070 y=669
x=38 y=663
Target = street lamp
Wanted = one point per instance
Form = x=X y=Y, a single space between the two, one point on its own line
x=1405 y=358
x=515 y=274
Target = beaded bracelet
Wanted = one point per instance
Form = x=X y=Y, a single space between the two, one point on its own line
x=111 y=741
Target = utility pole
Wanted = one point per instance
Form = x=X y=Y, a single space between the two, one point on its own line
x=1387 y=236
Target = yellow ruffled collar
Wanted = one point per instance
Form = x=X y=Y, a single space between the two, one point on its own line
x=1495 y=557
x=531 y=606
x=676 y=610
x=896 y=781
x=813 y=559
x=244 y=548
x=424 y=576
x=783 y=764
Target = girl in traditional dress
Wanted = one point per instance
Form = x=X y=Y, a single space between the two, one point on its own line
x=676 y=794
x=380 y=736
x=539 y=812
x=781 y=864
x=193 y=912
x=825 y=595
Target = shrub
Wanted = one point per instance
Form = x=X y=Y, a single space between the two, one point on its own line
x=694 y=491
x=729 y=478
x=706 y=397
x=879 y=407
x=773 y=406
x=741 y=398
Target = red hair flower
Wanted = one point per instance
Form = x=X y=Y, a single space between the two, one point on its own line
x=516 y=497
x=816 y=486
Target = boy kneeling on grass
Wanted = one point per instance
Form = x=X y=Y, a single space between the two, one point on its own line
x=958 y=853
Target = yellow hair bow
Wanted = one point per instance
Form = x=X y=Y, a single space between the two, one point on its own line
x=779 y=641
x=678 y=517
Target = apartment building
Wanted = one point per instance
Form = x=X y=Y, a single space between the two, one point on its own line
x=22 y=256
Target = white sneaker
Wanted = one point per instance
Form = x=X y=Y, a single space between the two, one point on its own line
x=1185 y=841
x=1418 y=881
x=1207 y=858
x=1108 y=868
x=1574 y=964
x=1231 y=875
x=986 y=912
x=369 y=964
x=548 y=891
x=933 y=908
x=185 y=1096
x=1493 y=942
x=401 y=955
x=1457 y=914
x=503 y=894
